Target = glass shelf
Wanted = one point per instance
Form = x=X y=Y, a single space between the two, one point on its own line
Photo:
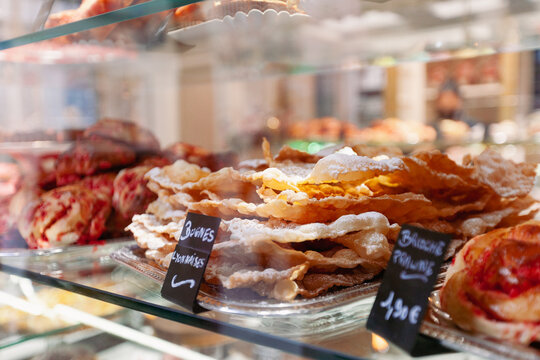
x=347 y=36
x=27 y=311
x=109 y=18
x=135 y=291
x=13 y=340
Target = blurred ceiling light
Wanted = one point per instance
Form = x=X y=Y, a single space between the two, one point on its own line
x=380 y=19
x=370 y=20
x=458 y=8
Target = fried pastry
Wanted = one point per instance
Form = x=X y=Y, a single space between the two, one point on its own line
x=462 y=200
x=297 y=224
x=273 y=258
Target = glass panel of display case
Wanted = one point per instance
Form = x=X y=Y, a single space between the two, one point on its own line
x=89 y=20
x=314 y=129
x=306 y=33
x=313 y=333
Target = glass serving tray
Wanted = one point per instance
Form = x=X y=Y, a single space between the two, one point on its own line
x=246 y=303
x=333 y=313
x=240 y=302
x=337 y=310
x=438 y=324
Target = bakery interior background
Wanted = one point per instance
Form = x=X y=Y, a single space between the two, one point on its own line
x=464 y=94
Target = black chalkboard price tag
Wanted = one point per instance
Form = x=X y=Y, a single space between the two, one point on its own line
x=189 y=261
x=402 y=299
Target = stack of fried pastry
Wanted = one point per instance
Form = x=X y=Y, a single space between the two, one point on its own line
x=300 y=224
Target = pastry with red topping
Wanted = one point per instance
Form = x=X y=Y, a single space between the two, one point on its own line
x=131 y=31
x=72 y=214
x=38 y=170
x=89 y=157
x=87 y=8
x=493 y=286
x=108 y=144
x=98 y=185
x=125 y=132
x=131 y=195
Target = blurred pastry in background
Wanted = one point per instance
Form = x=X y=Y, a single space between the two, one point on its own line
x=393 y=130
x=140 y=139
x=87 y=8
x=139 y=29
x=89 y=157
x=390 y=130
x=184 y=151
x=453 y=129
x=107 y=145
x=131 y=195
x=323 y=129
x=197 y=155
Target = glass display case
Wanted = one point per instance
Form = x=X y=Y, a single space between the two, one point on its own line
x=314 y=129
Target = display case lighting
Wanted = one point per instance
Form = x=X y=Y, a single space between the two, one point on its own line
x=379 y=344
x=459 y=8
x=124 y=332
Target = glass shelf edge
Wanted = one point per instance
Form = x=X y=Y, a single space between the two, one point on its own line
x=283 y=344
x=112 y=17
x=24 y=338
